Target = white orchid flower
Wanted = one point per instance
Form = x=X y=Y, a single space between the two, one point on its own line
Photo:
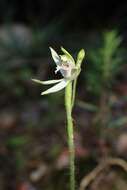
x=68 y=69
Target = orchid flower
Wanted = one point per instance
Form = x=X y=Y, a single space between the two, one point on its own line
x=67 y=67
x=70 y=70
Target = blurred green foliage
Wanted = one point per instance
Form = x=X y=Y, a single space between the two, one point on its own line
x=16 y=142
x=105 y=63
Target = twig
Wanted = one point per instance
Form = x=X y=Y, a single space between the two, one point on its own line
x=107 y=162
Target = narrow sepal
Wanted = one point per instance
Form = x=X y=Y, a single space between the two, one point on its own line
x=67 y=54
x=80 y=57
x=55 y=56
x=57 y=87
x=47 y=82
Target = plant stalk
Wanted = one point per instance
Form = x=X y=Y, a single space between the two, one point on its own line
x=74 y=92
x=68 y=106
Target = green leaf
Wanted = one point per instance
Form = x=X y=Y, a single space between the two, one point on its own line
x=87 y=106
x=17 y=141
x=118 y=122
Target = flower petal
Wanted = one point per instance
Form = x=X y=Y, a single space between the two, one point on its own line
x=47 y=82
x=57 y=87
x=67 y=54
x=80 y=57
x=55 y=56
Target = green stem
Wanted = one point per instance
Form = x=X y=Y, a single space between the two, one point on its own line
x=68 y=106
x=74 y=92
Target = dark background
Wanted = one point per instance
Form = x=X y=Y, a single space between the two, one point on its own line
x=78 y=14
x=33 y=140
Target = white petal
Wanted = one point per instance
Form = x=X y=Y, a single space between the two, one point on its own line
x=67 y=54
x=57 y=87
x=55 y=56
x=47 y=82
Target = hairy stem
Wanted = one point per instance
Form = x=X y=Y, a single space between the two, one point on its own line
x=74 y=92
x=68 y=106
